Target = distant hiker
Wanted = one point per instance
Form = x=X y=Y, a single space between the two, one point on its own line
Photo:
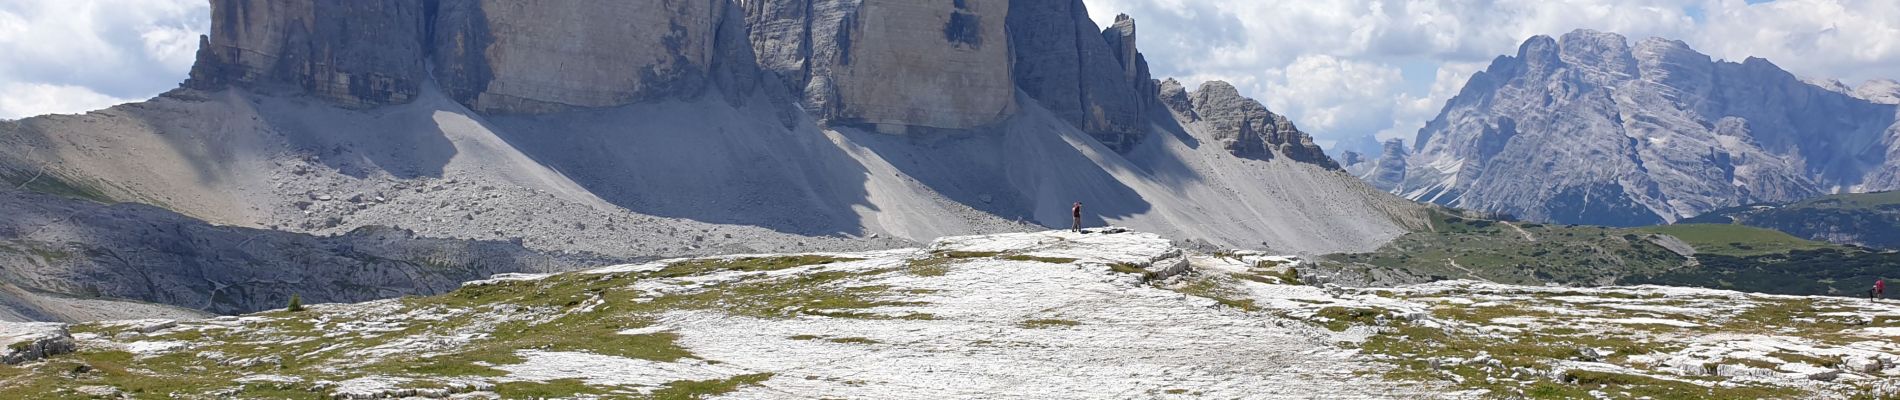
x=1880 y=289
x=1077 y=212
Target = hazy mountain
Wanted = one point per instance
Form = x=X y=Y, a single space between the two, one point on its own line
x=1587 y=128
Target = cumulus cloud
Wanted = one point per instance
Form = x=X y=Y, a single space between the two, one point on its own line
x=1331 y=65
x=28 y=99
x=67 y=56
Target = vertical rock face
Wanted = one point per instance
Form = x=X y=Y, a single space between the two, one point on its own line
x=1245 y=128
x=357 y=53
x=1386 y=172
x=1587 y=129
x=1095 y=80
x=889 y=65
x=553 y=55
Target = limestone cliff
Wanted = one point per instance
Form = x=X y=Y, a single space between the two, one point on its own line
x=1094 y=79
x=889 y=65
x=316 y=47
x=554 y=55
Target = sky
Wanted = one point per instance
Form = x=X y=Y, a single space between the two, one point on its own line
x=1346 y=71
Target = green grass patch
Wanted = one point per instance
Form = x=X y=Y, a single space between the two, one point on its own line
x=1051 y=260
x=559 y=388
x=1131 y=268
x=54 y=184
x=1219 y=288
x=1048 y=323
x=1339 y=318
x=1736 y=240
x=683 y=390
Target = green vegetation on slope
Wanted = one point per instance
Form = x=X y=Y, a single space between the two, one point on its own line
x=1735 y=240
x=53 y=184
x=1726 y=257
x=1519 y=253
x=1865 y=219
x=574 y=312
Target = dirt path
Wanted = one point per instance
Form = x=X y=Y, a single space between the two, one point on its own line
x=1521 y=231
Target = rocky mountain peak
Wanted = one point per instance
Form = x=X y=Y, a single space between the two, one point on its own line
x=1538 y=50
x=1664 y=130
x=1174 y=96
x=1248 y=130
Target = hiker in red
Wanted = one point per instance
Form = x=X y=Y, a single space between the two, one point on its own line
x=1880 y=288
x=1077 y=211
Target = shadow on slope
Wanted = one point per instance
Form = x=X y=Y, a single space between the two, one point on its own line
x=702 y=160
x=137 y=252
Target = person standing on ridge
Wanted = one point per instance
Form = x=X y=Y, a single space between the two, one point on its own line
x=1880 y=288
x=1077 y=212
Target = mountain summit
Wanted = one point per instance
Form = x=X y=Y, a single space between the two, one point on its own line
x=1589 y=129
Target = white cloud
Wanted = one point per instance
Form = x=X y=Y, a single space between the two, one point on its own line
x=1328 y=64
x=67 y=56
x=19 y=100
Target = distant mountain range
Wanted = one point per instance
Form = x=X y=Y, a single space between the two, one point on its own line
x=1588 y=129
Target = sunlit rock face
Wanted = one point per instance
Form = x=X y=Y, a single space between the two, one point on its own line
x=1587 y=128
x=889 y=65
x=543 y=56
x=1248 y=130
x=313 y=47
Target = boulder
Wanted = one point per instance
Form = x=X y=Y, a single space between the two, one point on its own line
x=1865 y=365
x=28 y=341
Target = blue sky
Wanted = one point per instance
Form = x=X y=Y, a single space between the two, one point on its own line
x=1344 y=70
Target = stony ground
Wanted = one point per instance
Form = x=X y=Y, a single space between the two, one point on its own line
x=1032 y=315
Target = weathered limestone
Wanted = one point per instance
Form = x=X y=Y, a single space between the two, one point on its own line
x=1248 y=130
x=315 y=47
x=27 y=341
x=552 y=55
x=889 y=65
x=1094 y=79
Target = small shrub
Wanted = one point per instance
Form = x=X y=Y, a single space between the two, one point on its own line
x=296 y=303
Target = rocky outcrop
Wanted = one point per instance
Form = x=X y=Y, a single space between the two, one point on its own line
x=1174 y=96
x=889 y=65
x=1387 y=171
x=516 y=57
x=1247 y=129
x=22 y=342
x=1094 y=79
x=316 y=47
x=1588 y=129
